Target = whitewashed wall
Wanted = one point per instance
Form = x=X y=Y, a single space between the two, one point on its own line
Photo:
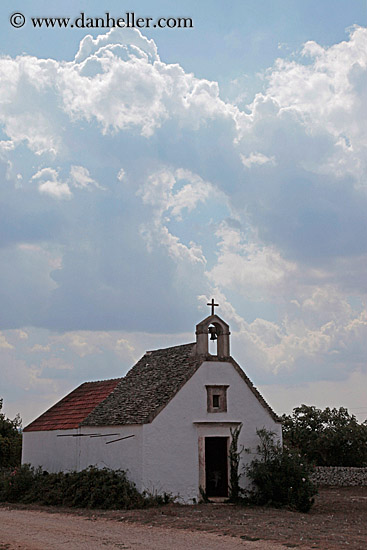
x=125 y=454
x=171 y=441
x=54 y=452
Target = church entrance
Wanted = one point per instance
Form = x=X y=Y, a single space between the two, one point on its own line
x=216 y=466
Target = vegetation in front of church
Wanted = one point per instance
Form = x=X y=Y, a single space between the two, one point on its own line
x=10 y=440
x=234 y=462
x=280 y=476
x=329 y=437
x=90 y=488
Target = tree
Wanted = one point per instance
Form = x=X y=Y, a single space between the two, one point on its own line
x=10 y=440
x=329 y=437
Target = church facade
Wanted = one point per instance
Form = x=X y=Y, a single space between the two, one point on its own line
x=167 y=423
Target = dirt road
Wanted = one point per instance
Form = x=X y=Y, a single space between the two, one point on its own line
x=36 y=530
x=337 y=521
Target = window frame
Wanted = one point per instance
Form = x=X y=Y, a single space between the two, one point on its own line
x=221 y=392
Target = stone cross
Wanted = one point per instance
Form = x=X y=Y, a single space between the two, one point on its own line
x=213 y=305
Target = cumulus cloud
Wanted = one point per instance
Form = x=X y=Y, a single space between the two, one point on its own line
x=323 y=96
x=25 y=115
x=292 y=351
x=119 y=80
x=249 y=268
x=170 y=192
x=128 y=38
x=80 y=178
x=49 y=181
x=49 y=184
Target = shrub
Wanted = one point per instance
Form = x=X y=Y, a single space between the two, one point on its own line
x=15 y=483
x=90 y=488
x=234 y=462
x=279 y=475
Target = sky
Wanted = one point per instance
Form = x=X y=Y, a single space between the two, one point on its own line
x=144 y=172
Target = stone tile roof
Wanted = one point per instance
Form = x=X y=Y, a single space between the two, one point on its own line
x=72 y=409
x=138 y=397
x=147 y=388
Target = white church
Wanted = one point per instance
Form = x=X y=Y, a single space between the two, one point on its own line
x=167 y=422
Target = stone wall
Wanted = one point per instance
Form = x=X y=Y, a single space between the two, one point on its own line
x=338 y=476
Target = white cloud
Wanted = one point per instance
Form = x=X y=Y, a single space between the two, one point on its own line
x=161 y=193
x=123 y=345
x=55 y=189
x=329 y=350
x=123 y=84
x=257 y=159
x=39 y=348
x=49 y=181
x=80 y=178
x=128 y=37
x=4 y=344
x=80 y=344
x=326 y=97
x=6 y=145
x=191 y=194
x=49 y=184
x=25 y=114
x=91 y=343
x=192 y=252
x=121 y=174
x=251 y=269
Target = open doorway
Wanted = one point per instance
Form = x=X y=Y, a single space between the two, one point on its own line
x=216 y=466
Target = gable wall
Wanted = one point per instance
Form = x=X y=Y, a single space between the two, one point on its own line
x=171 y=441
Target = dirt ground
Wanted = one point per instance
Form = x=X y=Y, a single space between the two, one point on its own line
x=338 y=520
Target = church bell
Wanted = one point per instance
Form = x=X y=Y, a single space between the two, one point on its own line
x=213 y=333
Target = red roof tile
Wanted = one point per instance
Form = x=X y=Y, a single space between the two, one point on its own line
x=74 y=408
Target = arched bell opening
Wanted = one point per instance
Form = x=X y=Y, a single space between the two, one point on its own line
x=212 y=337
x=214 y=331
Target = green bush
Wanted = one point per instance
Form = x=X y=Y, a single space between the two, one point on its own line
x=90 y=488
x=279 y=476
x=15 y=483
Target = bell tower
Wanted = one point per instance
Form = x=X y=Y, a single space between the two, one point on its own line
x=217 y=329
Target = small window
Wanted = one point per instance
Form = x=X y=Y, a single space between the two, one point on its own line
x=216 y=398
